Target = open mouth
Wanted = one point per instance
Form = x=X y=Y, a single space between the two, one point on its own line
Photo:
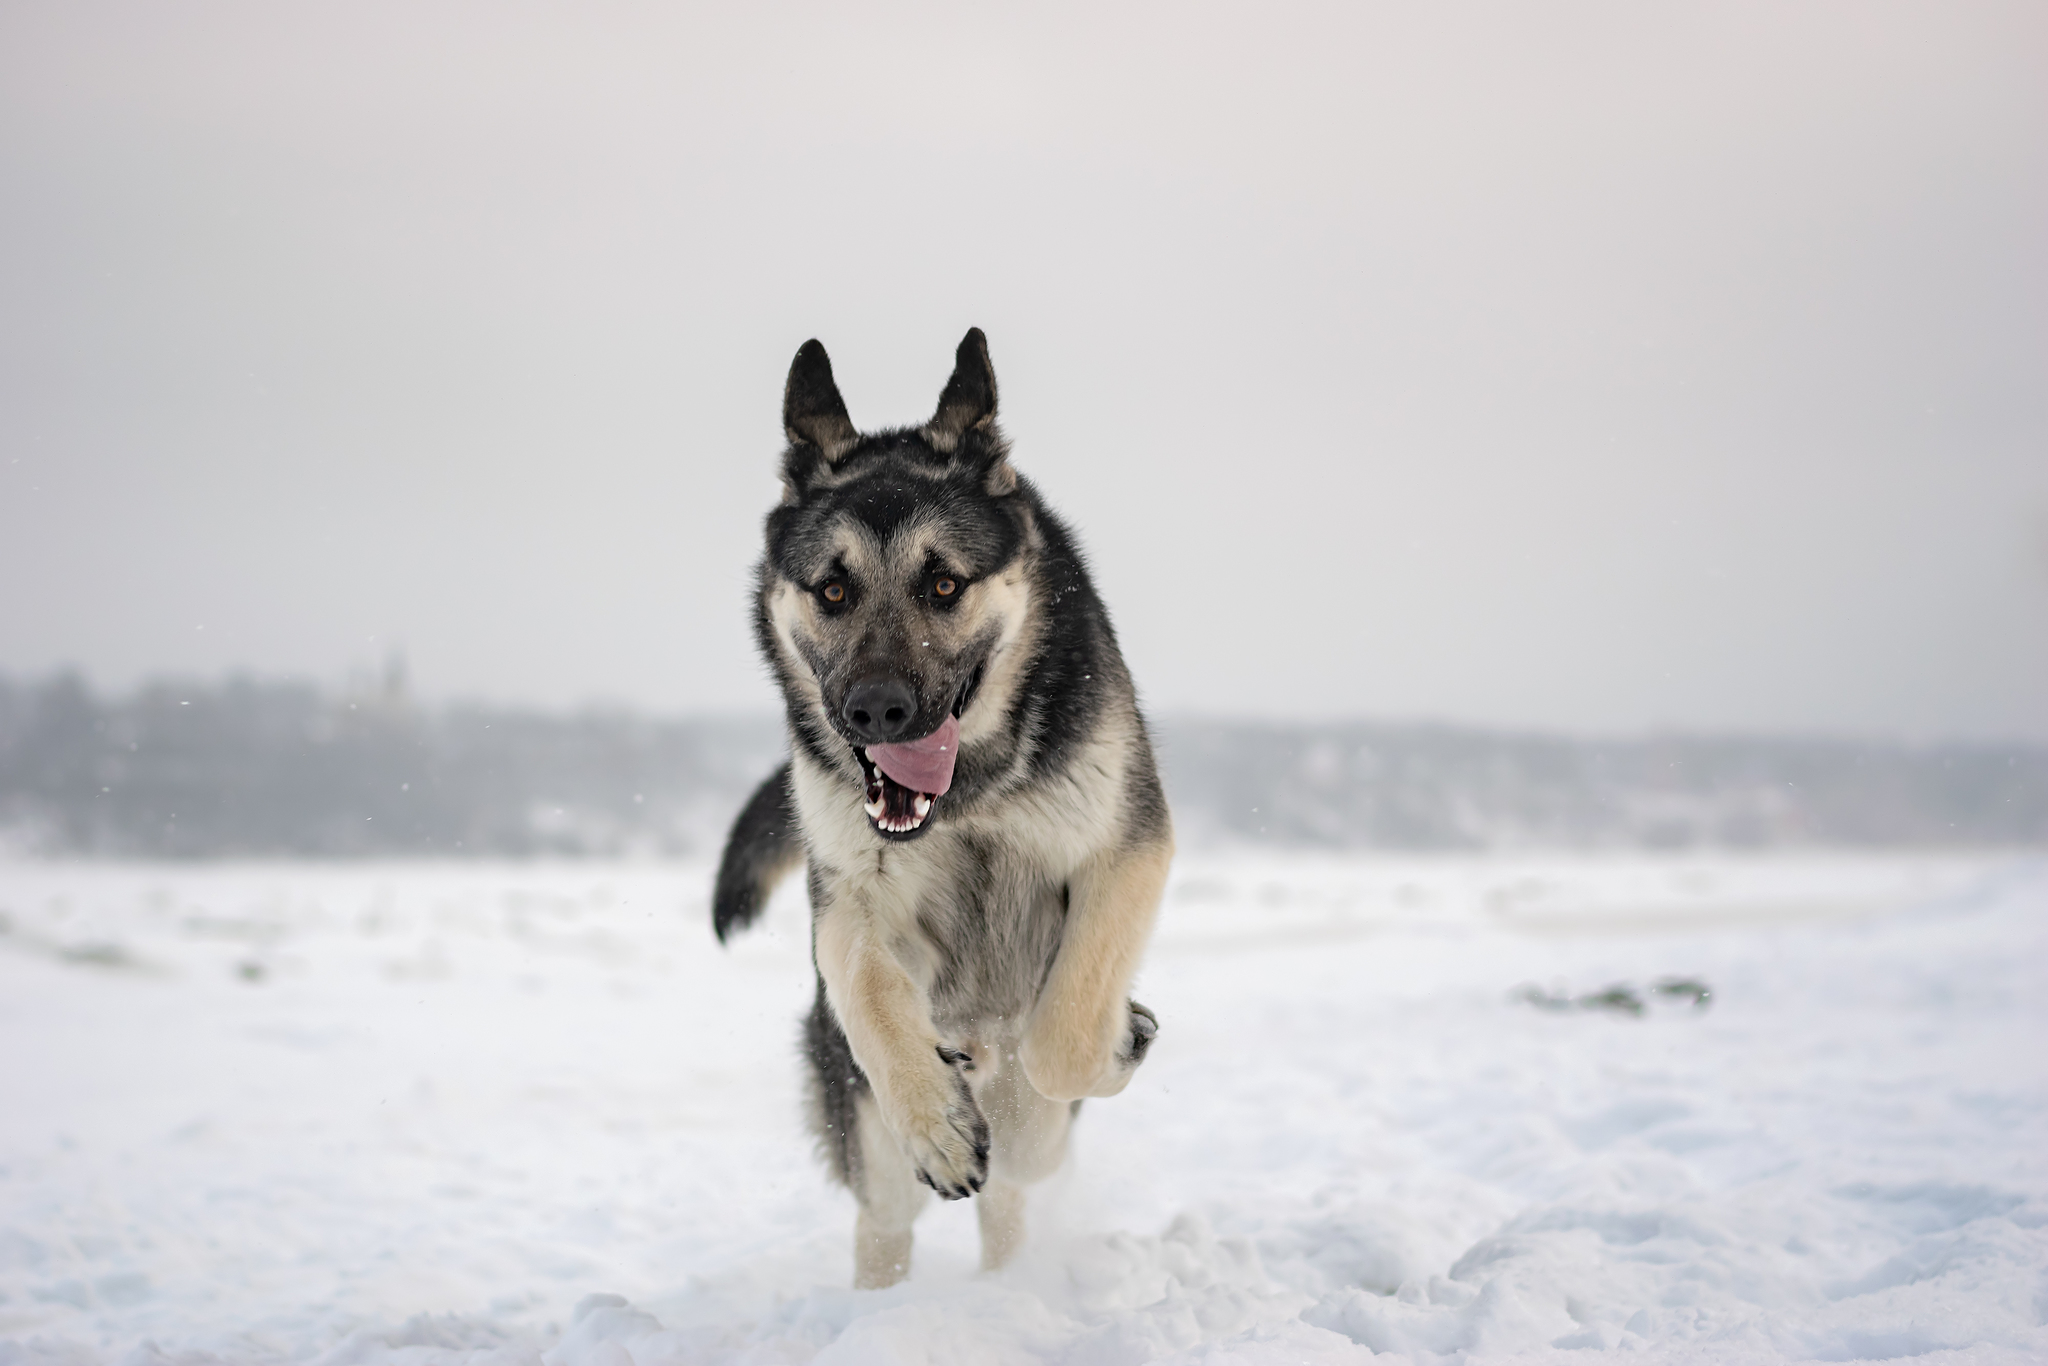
x=903 y=781
x=892 y=808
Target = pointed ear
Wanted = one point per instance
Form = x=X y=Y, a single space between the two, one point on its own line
x=812 y=412
x=968 y=402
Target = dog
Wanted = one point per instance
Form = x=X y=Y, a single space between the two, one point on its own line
x=973 y=791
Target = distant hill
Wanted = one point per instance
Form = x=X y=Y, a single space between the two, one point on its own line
x=247 y=768
x=1377 y=786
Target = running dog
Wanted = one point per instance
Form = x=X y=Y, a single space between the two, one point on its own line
x=972 y=788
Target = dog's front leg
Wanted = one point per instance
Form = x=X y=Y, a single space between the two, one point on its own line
x=919 y=1081
x=1085 y=1036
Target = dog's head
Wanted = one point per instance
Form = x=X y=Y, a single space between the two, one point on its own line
x=895 y=581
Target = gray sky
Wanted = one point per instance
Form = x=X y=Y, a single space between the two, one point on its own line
x=1598 y=366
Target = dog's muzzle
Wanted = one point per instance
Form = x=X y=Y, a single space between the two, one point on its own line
x=903 y=781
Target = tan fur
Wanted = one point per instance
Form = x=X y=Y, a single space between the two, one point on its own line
x=1069 y=1049
x=866 y=938
x=999 y=1209
x=1001 y=604
x=890 y=1201
x=876 y=975
x=833 y=437
x=866 y=945
x=1011 y=928
x=1031 y=1134
x=1005 y=599
x=1030 y=1129
x=944 y=431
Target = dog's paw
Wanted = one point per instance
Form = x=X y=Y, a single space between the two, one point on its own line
x=1141 y=1027
x=946 y=1135
x=1064 y=1067
x=1138 y=1036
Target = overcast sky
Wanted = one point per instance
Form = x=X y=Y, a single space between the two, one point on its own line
x=1590 y=366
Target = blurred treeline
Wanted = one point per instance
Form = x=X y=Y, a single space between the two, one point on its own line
x=255 y=768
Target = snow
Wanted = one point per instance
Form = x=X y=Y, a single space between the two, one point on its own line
x=532 y=1114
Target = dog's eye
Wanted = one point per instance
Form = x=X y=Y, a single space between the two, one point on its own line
x=945 y=586
x=834 y=592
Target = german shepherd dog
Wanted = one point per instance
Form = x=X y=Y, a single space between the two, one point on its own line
x=972 y=788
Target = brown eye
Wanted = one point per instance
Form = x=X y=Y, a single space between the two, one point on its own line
x=945 y=587
x=833 y=592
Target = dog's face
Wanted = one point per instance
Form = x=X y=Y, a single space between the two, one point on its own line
x=895 y=576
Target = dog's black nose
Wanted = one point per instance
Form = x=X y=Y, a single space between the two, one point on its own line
x=880 y=709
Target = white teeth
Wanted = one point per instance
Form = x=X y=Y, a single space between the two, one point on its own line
x=878 y=811
x=921 y=806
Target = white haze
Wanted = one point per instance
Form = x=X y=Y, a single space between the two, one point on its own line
x=1595 y=366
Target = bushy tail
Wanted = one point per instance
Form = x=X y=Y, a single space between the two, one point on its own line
x=761 y=850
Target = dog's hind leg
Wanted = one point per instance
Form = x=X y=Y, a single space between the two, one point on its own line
x=1028 y=1141
x=1000 y=1209
x=891 y=1198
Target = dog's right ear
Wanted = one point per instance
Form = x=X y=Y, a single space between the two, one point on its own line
x=812 y=412
x=968 y=402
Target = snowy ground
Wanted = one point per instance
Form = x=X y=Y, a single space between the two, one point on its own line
x=428 y=1114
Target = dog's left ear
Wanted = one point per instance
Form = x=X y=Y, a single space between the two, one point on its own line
x=967 y=408
x=813 y=414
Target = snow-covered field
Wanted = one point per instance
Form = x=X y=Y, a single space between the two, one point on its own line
x=480 y=1113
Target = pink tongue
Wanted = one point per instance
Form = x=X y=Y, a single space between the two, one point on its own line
x=921 y=765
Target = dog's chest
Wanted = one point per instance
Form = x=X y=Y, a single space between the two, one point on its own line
x=981 y=930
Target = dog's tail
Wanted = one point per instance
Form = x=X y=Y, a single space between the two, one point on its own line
x=761 y=850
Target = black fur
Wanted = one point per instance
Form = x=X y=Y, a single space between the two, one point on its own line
x=963 y=1103
x=969 y=398
x=994 y=934
x=763 y=846
x=812 y=412
x=1064 y=688
x=882 y=479
x=836 y=1082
